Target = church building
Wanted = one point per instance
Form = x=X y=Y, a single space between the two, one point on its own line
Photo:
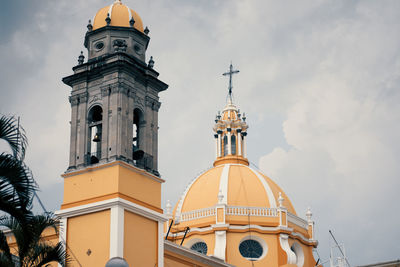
x=230 y=215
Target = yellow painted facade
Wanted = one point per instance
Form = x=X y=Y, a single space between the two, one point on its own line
x=116 y=179
x=82 y=230
x=140 y=238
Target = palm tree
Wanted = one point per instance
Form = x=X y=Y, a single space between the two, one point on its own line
x=17 y=185
x=17 y=189
x=32 y=250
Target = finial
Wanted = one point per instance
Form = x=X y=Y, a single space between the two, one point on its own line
x=244 y=116
x=151 y=63
x=216 y=118
x=309 y=214
x=230 y=73
x=108 y=19
x=168 y=208
x=90 y=26
x=220 y=197
x=132 y=21
x=280 y=200
x=146 y=31
x=81 y=58
x=219 y=115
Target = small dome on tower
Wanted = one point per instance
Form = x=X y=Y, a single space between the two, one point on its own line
x=120 y=16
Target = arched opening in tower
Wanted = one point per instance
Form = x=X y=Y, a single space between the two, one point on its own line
x=95 y=119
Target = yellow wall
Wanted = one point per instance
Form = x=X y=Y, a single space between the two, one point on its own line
x=112 y=180
x=141 y=240
x=89 y=232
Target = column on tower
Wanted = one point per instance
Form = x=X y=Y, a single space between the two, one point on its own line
x=216 y=145
x=244 y=144
x=219 y=132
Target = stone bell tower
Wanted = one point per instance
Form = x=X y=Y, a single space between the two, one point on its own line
x=114 y=96
x=112 y=187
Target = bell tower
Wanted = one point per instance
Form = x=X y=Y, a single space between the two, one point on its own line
x=112 y=187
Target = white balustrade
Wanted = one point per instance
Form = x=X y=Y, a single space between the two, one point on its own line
x=197 y=214
x=252 y=211
x=297 y=220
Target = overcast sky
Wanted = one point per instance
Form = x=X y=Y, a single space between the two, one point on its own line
x=319 y=82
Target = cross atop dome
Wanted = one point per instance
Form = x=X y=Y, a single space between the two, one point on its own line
x=230 y=73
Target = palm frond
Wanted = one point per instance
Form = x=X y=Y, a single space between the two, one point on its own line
x=5 y=261
x=4 y=248
x=14 y=135
x=17 y=185
x=44 y=253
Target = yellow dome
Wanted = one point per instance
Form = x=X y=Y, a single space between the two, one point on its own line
x=120 y=16
x=236 y=186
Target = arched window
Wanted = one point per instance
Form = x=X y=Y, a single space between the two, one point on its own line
x=251 y=249
x=200 y=247
x=137 y=150
x=137 y=118
x=233 y=144
x=225 y=145
x=95 y=118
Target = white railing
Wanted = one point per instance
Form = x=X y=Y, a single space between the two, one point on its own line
x=197 y=214
x=252 y=211
x=297 y=220
x=229 y=210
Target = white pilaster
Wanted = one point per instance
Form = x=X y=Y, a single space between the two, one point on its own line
x=220 y=244
x=216 y=146
x=160 y=244
x=244 y=146
x=117 y=232
x=219 y=144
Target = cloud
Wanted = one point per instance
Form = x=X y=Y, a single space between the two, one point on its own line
x=342 y=129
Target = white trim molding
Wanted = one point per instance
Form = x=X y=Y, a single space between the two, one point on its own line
x=268 y=190
x=182 y=199
x=223 y=183
x=108 y=204
x=160 y=244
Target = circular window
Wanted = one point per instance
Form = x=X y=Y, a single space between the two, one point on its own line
x=99 y=46
x=200 y=247
x=251 y=249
